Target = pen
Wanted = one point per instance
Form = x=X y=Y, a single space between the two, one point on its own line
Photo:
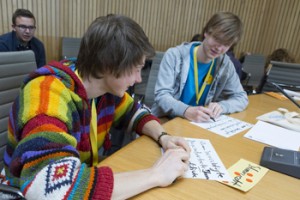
x=213 y=119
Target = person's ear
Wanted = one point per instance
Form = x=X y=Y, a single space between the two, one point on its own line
x=13 y=27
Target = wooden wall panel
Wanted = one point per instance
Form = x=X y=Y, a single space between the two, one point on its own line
x=269 y=24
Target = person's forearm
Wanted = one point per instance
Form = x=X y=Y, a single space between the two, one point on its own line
x=174 y=107
x=153 y=129
x=129 y=184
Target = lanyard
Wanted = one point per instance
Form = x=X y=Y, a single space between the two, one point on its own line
x=93 y=130
x=93 y=126
x=207 y=77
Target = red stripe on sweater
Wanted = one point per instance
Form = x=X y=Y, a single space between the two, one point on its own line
x=143 y=121
x=37 y=123
x=104 y=184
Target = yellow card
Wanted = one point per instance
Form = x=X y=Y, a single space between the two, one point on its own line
x=245 y=175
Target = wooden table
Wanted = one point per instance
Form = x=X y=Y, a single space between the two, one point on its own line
x=143 y=152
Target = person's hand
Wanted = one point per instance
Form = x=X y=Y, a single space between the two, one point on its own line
x=172 y=164
x=198 y=114
x=174 y=142
x=216 y=109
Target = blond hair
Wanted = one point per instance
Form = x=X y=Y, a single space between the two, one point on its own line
x=225 y=27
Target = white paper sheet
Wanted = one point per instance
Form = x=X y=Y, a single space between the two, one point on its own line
x=225 y=126
x=294 y=94
x=274 y=135
x=205 y=162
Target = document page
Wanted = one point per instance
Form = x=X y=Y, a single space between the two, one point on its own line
x=204 y=162
x=225 y=126
x=274 y=135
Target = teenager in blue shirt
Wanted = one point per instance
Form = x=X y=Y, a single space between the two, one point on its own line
x=22 y=38
x=197 y=80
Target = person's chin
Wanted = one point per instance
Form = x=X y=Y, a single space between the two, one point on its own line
x=26 y=39
x=213 y=55
x=120 y=94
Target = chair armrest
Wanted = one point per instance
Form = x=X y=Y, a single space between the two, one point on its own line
x=10 y=192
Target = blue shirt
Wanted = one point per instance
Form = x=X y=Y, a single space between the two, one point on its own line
x=188 y=95
x=10 y=42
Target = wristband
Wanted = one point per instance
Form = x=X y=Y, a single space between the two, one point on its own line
x=158 y=139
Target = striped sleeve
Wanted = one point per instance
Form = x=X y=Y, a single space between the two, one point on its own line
x=134 y=115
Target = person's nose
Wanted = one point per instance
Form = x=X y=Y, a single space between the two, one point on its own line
x=138 y=78
x=27 y=30
x=219 y=46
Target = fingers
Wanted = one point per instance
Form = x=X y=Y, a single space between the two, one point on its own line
x=181 y=143
x=204 y=114
x=172 y=164
x=180 y=154
x=215 y=109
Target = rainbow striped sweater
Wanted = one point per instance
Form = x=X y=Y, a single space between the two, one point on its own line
x=48 y=155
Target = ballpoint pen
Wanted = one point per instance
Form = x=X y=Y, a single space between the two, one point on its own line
x=213 y=119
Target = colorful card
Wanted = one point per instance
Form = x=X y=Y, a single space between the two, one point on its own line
x=245 y=175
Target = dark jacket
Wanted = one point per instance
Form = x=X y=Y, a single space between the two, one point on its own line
x=10 y=42
x=237 y=64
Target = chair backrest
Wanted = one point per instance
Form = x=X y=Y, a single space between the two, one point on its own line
x=254 y=65
x=285 y=74
x=70 y=47
x=149 y=93
x=14 y=67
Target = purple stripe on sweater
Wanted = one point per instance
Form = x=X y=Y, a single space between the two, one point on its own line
x=30 y=154
x=106 y=111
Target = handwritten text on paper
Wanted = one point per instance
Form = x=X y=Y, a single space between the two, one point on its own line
x=245 y=175
x=204 y=162
x=225 y=126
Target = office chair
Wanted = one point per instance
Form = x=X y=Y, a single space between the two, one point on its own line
x=149 y=93
x=287 y=75
x=70 y=47
x=14 y=67
x=139 y=88
x=254 y=66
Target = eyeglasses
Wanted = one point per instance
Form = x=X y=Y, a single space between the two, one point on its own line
x=24 y=27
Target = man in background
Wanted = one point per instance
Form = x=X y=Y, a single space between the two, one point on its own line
x=22 y=38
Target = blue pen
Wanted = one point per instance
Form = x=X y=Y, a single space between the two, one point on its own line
x=213 y=119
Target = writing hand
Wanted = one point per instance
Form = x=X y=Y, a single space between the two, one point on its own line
x=198 y=114
x=215 y=109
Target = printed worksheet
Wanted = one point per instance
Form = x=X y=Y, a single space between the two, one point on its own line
x=204 y=162
x=225 y=126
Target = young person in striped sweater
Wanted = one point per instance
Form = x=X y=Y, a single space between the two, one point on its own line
x=62 y=117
